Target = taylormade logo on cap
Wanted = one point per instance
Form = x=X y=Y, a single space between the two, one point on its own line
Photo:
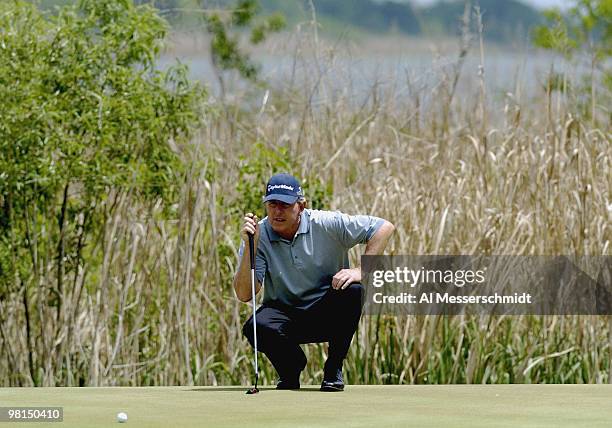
x=279 y=186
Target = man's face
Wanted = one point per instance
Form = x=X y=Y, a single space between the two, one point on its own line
x=284 y=218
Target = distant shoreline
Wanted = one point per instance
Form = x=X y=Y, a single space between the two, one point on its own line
x=198 y=42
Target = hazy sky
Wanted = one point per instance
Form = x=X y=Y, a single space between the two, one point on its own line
x=547 y=3
x=536 y=3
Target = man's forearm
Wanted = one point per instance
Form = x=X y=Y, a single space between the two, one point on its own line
x=377 y=243
x=375 y=246
x=242 y=279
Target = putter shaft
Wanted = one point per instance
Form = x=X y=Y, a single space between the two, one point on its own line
x=252 y=257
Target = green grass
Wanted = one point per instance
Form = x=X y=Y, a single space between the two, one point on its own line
x=422 y=406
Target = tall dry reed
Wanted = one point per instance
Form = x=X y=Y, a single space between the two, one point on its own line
x=458 y=170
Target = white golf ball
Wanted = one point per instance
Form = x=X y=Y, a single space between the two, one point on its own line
x=121 y=417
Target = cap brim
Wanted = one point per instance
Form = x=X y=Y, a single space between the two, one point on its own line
x=283 y=198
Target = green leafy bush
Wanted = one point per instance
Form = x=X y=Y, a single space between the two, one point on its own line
x=84 y=114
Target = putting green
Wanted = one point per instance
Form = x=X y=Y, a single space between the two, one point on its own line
x=367 y=406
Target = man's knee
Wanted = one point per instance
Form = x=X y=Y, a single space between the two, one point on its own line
x=356 y=293
x=265 y=332
x=247 y=330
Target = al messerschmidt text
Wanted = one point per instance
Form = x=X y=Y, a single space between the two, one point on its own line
x=409 y=298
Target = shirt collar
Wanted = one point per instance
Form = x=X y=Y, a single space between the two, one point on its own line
x=304 y=227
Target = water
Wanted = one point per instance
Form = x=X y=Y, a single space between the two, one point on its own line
x=358 y=76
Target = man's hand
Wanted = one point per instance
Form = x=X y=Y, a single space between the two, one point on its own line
x=346 y=277
x=242 y=283
x=249 y=226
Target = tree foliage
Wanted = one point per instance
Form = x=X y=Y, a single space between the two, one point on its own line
x=586 y=25
x=84 y=113
x=583 y=33
x=225 y=31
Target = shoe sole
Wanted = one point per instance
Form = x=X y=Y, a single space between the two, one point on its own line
x=288 y=387
x=331 y=389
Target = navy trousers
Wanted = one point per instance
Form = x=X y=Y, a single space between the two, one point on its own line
x=281 y=330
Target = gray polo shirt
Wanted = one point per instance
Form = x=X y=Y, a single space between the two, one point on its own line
x=299 y=272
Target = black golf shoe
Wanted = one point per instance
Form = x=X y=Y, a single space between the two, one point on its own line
x=285 y=384
x=333 y=381
x=291 y=381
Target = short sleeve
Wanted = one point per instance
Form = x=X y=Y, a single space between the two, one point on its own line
x=260 y=262
x=356 y=229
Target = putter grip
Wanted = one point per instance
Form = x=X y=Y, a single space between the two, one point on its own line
x=251 y=252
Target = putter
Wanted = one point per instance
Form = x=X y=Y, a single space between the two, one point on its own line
x=253 y=390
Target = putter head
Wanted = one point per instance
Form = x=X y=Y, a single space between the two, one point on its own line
x=252 y=391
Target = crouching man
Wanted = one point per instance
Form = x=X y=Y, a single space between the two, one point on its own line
x=311 y=294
